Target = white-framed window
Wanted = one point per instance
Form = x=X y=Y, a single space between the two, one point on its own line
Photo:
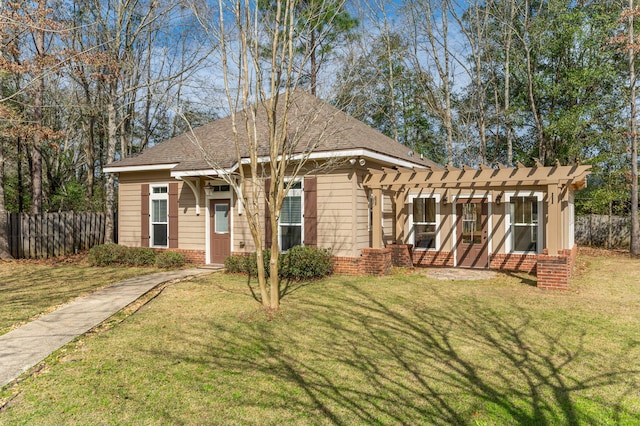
x=290 y=226
x=159 y=223
x=524 y=233
x=424 y=220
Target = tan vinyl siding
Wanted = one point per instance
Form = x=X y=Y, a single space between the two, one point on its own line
x=499 y=219
x=342 y=216
x=336 y=213
x=388 y=218
x=447 y=222
x=129 y=214
x=363 y=233
x=241 y=233
x=191 y=228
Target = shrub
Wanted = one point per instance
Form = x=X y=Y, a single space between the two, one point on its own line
x=247 y=263
x=140 y=256
x=234 y=264
x=250 y=266
x=170 y=259
x=304 y=262
x=107 y=254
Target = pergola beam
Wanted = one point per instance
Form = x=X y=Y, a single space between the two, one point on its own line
x=467 y=177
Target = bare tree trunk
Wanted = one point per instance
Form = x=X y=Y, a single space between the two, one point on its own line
x=635 y=226
x=448 y=120
x=542 y=148
x=90 y=154
x=112 y=142
x=36 y=149
x=313 y=64
x=507 y=81
x=4 y=241
x=391 y=81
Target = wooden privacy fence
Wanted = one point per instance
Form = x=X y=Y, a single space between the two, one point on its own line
x=54 y=234
x=603 y=230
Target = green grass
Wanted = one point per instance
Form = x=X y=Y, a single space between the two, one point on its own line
x=404 y=349
x=29 y=289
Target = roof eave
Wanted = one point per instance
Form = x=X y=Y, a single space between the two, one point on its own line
x=358 y=152
x=140 y=168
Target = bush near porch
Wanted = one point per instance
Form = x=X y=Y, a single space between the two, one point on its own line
x=297 y=264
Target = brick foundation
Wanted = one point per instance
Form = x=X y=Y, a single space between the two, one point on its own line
x=371 y=262
x=514 y=262
x=346 y=265
x=432 y=258
x=402 y=255
x=197 y=257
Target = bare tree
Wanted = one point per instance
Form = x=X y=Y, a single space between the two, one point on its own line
x=632 y=12
x=262 y=70
x=430 y=32
x=4 y=243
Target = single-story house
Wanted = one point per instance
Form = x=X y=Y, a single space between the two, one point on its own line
x=373 y=201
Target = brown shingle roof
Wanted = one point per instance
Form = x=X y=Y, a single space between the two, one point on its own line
x=312 y=125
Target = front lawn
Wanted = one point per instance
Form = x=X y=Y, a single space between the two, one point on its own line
x=404 y=349
x=30 y=288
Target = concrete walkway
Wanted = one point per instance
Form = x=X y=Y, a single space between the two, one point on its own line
x=24 y=347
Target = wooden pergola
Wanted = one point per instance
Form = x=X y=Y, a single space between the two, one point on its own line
x=554 y=181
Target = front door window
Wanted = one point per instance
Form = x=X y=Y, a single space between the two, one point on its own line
x=471 y=224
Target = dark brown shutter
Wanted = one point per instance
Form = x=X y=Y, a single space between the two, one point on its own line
x=173 y=215
x=311 y=211
x=144 y=215
x=267 y=214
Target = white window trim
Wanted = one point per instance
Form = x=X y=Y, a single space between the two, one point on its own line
x=412 y=235
x=294 y=193
x=507 y=232
x=154 y=197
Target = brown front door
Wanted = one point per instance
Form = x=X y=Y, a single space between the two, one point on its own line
x=220 y=228
x=471 y=228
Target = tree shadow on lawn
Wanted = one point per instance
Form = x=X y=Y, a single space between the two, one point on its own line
x=414 y=362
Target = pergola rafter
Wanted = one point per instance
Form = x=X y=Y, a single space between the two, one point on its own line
x=482 y=177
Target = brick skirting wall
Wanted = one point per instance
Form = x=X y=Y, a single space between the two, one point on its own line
x=371 y=262
x=346 y=265
x=432 y=258
x=196 y=257
x=514 y=262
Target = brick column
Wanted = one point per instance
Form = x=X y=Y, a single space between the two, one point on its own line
x=376 y=261
x=554 y=271
x=402 y=255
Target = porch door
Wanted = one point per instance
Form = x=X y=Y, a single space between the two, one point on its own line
x=471 y=229
x=220 y=229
